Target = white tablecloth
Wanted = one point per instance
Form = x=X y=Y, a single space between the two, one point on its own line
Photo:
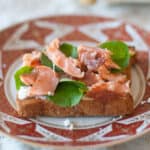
x=14 y=11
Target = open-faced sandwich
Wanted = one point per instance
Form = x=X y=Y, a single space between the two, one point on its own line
x=64 y=80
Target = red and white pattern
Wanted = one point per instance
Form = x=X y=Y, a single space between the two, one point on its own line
x=57 y=29
x=14 y=42
x=100 y=135
x=97 y=29
x=4 y=117
x=50 y=135
x=76 y=29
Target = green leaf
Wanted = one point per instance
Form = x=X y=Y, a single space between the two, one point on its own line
x=47 y=62
x=69 y=50
x=68 y=93
x=80 y=84
x=22 y=70
x=120 y=52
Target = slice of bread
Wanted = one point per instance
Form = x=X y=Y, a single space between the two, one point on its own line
x=112 y=106
x=108 y=103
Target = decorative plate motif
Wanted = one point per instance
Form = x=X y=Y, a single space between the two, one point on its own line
x=93 y=131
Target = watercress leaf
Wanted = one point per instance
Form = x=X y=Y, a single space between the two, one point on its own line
x=18 y=73
x=47 y=62
x=69 y=50
x=120 y=52
x=68 y=93
x=80 y=84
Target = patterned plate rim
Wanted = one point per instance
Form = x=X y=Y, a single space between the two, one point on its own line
x=110 y=143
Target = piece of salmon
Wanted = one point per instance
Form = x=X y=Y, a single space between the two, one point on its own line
x=90 y=78
x=98 y=64
x=68 y=64
x=101 y=87
x=29 y=79
x=43 y=82
x=107 y=75
x=46 y=82
x=92 y=58
x=32 y=59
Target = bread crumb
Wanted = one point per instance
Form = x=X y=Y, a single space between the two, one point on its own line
x=69 y=124
x=148 y=101
x=71 y=127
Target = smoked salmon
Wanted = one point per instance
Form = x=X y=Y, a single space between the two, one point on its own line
x=32 y=59
x=98 y=89
x=107 y=75
x=29 y=79
x=68 y=64
x=43 y=82
x=92 y=58
x=98 y=63
x=90 y=78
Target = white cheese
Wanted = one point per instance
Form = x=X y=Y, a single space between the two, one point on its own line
x=23 y=92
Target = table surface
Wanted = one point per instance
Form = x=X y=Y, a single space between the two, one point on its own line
x=15 y=11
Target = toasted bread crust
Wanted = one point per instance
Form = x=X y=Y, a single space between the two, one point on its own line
x=118 y=105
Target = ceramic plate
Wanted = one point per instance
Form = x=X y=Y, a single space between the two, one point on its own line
x=88 y=131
